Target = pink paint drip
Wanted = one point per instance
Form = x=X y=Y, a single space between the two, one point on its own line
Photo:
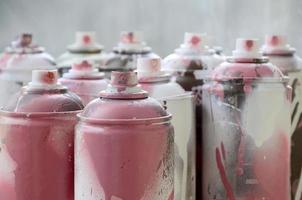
x=223 y=176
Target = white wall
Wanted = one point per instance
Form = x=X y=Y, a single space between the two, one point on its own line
x=164 y=21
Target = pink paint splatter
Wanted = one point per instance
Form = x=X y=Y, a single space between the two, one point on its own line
x=171 y=196
x=128 y=38
x=86 y=39
x=49 y=78
x=274 y=41
x=195 y=40
x=249 y=45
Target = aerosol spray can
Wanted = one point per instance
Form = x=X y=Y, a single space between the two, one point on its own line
x=246 y=124
x=124 y=145
x=123 y=57
x=17 y=63
x=181 y=105
x=284 y=57
x=84 y=80
x=84 y=48
x=36 y=141
x=190 y=64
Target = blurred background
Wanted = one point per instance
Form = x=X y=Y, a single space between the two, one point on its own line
x=162 y=21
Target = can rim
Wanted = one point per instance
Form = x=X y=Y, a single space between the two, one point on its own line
x=38 y=114
x=185 y=95
x=156 y=120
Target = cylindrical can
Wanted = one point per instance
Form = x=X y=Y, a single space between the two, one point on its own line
x=36 y=141
x=124 y=146
x=284 y=57
x=246 y=124
x=17 y=63
x=189 y=64
x=181 y=105
x=123 y=57
x=84 y=48
x=84 y=80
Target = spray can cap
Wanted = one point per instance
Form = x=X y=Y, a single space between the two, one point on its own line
x=149 y=67
x=85 y=41
x=128 y=37
x=24 y=44
x=132 y=41
x=194 y=40
x=44 y=79
x=124 y=85
x=247 y=48
x=276 y=44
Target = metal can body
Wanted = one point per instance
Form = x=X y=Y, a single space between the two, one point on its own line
x=37 y=140
x=181 y=106
x=124 y=161
x=37 y=156
x=246 y=145
x=189 y=66
x=124 y=145
x=290 y=65
x=87 y=89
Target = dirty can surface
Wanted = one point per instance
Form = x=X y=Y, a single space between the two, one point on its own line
x=124 y=145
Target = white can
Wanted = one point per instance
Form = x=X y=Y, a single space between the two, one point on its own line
x=181 y=105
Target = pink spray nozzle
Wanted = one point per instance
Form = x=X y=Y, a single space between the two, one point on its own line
x=25 y=39
x=124 y=79
x=131 y=37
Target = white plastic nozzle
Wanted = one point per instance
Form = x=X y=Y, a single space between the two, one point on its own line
x=195 y=40
x=149 y=67
x=131 y=37
x=85 y=38
x=276 y=42
x=247 y=48
x=44 y=78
